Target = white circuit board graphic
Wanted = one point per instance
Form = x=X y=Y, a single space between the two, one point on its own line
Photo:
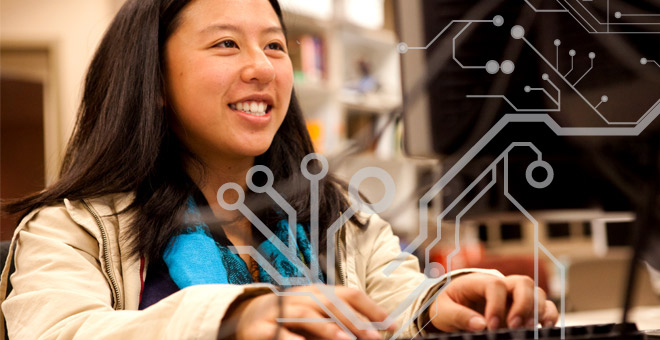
x=565 y=70
x=597 y=18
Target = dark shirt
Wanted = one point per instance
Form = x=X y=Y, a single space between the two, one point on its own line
x=158 y=284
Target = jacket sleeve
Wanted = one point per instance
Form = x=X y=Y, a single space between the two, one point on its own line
x=60 y=292
x=406 y=292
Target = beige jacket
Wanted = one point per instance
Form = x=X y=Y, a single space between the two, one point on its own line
x=73 y=279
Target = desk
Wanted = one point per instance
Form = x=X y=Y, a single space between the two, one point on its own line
x=646 y=318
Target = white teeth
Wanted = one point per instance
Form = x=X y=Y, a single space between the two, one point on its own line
x=253 y=108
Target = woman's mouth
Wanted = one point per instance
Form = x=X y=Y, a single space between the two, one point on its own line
x=254 y=108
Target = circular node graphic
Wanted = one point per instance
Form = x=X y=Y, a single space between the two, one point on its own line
x=305 y=171
x=269 y=179
x=377 y=173
x=517 y=32
x=221 y=196
x=545 y=76
x=498 y=20
x=617 y=15
x=571 y=53
x=402 y=48
x=550 y=174
x=434 y=270
x=592 y=55
x=557 y=42
x=528 y=89
x=492 y=66
x=604 y=99
x=643 y=61
x=508 y=66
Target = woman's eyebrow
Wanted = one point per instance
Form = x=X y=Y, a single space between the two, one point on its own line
x=229 y=27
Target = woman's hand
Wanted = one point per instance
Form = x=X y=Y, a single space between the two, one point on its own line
x=477 y=301
x=256 y=318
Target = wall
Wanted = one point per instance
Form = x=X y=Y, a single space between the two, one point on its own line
x=22 y=143
x=70 y=30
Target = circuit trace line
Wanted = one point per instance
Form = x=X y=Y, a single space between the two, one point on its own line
x=617 y=15
x=592 y=56
x=537 y=244
x=545 y=10
x=528 y=89
x=650 y=116
x=572 y=54
x=492 y=170
x=454 y=50
x=403 y=47
x=589 y=28
x=507 y=119
x=541 y=116
x=645 y=61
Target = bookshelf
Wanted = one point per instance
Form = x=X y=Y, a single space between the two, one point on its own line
x=346 y=69
x=355 y=38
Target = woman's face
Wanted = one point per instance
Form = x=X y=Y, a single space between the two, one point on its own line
x=229 y=78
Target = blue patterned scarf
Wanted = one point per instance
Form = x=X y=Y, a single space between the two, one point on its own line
x=194 y=257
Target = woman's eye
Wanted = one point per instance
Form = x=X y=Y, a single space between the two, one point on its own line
x=226 y=44
x=275 y=46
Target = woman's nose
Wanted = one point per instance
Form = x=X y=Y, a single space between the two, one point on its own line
x=258 y=68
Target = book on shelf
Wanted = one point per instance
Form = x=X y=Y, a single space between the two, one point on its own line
x=315 y=130
x=307 y=53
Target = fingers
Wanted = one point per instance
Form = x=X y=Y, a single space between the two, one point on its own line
x=542 y=303
x=522 y=307
x=521 y=313
x=285 y=334
x=349 y=320
x=255 y=320
x=350 y=307
x=448 y=316
x=551 y=314
x=496 y=300
x=325 y=330
x=364 y=305
x=504 y=302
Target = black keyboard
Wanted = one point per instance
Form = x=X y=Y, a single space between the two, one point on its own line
x=590 y=332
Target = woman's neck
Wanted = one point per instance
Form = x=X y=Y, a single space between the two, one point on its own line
x=236 y=228
x=214 y=176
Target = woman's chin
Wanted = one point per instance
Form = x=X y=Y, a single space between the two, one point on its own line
x=253 y=150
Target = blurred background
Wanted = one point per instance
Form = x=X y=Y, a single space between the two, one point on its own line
x=352 y=78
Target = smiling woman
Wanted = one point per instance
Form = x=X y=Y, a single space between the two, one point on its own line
x=182 y=98
x=229 y=80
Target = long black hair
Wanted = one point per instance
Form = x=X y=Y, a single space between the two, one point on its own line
x=122 y=141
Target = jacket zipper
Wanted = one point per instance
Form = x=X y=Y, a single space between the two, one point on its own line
x=341 y=258
x=106 y=256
